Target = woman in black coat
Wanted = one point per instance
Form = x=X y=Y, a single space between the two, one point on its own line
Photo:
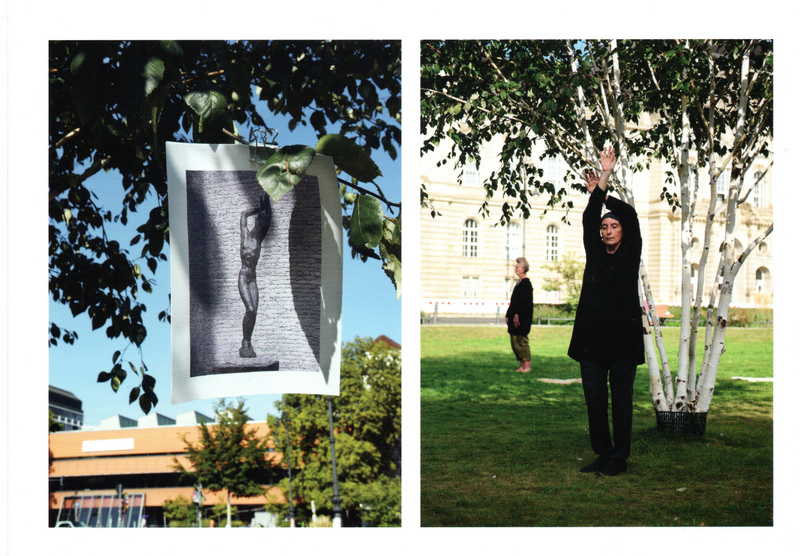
x=520 y=314
x=607 y=336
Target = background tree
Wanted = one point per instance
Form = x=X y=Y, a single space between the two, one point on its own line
x=702 y=105
x=179 y=511
x=229 y=456
x=114 y=104
x=568 y=276
x=367 y=428
x=52 y=422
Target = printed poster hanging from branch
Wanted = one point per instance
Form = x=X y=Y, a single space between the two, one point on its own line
x=256 y=284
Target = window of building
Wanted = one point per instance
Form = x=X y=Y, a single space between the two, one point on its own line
x=723 y=184
x=470 y=287
x=551 y=243
x=758 y=190
x=513 y=241
x=759 y=281
x=469 y=177
x=470 y=239
x=552 y=170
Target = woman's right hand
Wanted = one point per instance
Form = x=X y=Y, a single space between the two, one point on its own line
x=608 y=159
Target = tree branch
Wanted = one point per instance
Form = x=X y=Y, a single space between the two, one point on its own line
x=64 y=139
x=92 y=170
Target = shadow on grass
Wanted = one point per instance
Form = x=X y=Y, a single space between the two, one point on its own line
x=500 y=448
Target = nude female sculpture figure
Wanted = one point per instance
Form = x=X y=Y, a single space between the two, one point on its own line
x=250 y=250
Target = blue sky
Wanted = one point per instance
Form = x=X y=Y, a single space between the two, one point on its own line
x=369 y=309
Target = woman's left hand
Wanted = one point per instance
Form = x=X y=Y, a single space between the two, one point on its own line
x=516 y=321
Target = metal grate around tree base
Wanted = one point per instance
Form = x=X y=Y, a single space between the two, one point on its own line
x=683 y=423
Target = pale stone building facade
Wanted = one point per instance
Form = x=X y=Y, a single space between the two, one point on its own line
x=467 y=262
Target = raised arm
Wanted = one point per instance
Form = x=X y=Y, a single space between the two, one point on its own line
x=607 y=161
x=597 y=185
x=243 y=220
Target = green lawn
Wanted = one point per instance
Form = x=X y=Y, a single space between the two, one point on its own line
x=501 y=448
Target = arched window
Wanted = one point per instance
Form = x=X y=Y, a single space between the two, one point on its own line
x=551 y=243
x=470 y=239
x=760 y=286
x=513 y=241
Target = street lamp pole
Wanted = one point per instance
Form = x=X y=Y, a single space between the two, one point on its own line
x=337 y=508
x=286 y=421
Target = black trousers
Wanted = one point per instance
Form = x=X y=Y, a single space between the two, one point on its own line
x=596 y=376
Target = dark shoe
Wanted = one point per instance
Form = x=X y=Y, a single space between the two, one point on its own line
x=596 y=465
x=613 y=467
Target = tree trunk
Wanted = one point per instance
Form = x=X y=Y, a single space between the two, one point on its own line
x=681 y=390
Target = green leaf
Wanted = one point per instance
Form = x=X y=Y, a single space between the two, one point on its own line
x=148 y=382
x=391 y=250
x=103 y=377
x=153 y=74
x=366 y=223
x=210 y=107
x=349 y=157
x=144 y=403
x=133 y=395
x=284 y=169
x=392 y=267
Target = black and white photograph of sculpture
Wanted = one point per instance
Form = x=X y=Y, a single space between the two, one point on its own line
x=255 y=272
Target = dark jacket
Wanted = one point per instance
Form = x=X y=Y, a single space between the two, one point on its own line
x=608 y=321
x=521 y=304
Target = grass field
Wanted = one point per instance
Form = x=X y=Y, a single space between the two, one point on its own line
x=501 y=448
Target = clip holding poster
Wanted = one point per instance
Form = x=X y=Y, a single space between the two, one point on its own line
x=256 y=285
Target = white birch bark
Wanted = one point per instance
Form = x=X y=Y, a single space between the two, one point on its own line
x=709 y=328
x=711 y=160
x=661 y=401
x=681 y=395
x=729 y=267
x=658 y=340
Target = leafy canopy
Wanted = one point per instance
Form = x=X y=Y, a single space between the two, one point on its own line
x=114 y=104
x=545 y=98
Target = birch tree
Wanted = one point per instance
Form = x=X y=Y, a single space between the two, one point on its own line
x=698 y=106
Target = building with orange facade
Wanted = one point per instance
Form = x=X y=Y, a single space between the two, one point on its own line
x=121 y=475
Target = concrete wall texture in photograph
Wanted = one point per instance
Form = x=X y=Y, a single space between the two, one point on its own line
x=286 y=331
